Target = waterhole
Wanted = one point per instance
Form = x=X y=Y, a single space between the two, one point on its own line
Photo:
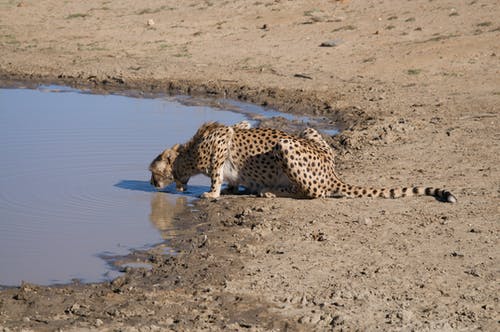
x=74 y=184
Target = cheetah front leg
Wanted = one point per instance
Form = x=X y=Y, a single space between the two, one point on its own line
x=215 y=188
x=220 y=152
x=216 y=177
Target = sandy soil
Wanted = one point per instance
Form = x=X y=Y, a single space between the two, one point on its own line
x=416 y=85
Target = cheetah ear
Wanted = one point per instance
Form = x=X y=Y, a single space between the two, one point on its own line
x=170 y=154
x=167 y=152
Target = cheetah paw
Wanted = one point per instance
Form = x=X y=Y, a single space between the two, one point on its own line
x=210 y=195
x=267 y=194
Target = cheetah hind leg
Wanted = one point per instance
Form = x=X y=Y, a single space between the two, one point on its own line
x=313 y=135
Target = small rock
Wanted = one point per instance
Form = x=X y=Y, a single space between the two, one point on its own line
x=21 y=296
x=316 y=19
x=315 y=318
x=303 y=76
x=150 y=22
x=98 y=322
x=74 y=307
x=118 y=283
x=407 y=316
x=336 y=321
x=246 y=212
x=245 y=325
x=487 y=307
x=319 y=236
x=202 y=241
x=365 y=221
x=330 y=43
x=473 y=272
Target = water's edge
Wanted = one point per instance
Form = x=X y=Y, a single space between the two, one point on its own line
x=252 y=112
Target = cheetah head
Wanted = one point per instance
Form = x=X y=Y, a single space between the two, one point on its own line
x=162 y=169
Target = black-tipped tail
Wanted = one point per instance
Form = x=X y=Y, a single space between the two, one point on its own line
x=441 y=194
x=353 y=191
x=445 y=196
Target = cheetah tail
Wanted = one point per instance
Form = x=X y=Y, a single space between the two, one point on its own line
x=441 y=194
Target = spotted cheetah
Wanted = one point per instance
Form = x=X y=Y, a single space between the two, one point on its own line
x=267 y=162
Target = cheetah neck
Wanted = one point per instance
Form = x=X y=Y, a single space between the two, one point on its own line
x=184 y=164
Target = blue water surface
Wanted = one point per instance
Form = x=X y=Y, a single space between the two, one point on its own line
x=74 y=179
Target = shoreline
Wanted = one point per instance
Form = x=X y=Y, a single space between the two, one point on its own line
x=292 y=101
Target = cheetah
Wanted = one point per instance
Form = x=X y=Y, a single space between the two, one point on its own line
x=267 y=162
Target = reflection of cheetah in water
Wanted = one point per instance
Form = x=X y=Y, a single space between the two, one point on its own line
x=265 y=161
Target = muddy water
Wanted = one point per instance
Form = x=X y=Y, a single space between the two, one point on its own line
x=74 y=185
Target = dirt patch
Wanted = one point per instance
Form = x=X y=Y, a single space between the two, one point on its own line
x=416 y=86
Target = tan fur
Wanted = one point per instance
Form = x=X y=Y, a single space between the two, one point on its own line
x=266 y=161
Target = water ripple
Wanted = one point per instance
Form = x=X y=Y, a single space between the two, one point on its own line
x=63 y=197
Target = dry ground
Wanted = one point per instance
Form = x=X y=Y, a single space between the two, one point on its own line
x=416 y=84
